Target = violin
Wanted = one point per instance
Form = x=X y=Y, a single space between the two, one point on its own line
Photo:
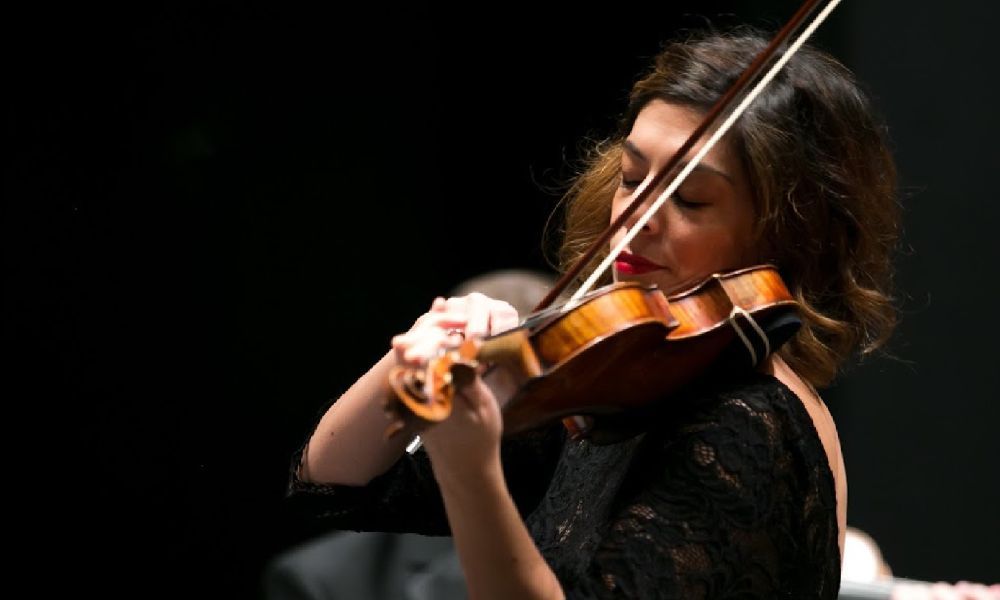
x=623 y=347
x=620 y=348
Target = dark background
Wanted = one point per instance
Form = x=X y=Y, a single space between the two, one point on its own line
x=216 y=214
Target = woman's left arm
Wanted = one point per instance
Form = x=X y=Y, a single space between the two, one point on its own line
x=498 y=556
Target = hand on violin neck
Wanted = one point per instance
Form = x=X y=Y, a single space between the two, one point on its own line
x=450 y=321
x=437 y=355
x=467 y=443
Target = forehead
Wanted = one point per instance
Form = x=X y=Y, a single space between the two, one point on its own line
x=660 y=129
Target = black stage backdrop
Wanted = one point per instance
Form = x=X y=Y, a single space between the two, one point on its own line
x=216 y=214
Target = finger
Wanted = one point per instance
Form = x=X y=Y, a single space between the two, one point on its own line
x=944 y=591
x=456 y=303
x=910 y=591
x=449 y=319
x=464 y=400
x=405 y=341
x=503 y=318
x=478 y=308
x=430 y=342
x=475 y=394
x=977 y=591
x=465 y=306
x=425 y=347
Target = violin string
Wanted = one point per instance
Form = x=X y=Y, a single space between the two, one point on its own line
x=716 y=136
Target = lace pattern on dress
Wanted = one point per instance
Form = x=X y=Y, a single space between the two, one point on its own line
x=732 y=499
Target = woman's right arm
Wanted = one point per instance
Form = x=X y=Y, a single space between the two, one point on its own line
x=350 y=477
x=348 y=446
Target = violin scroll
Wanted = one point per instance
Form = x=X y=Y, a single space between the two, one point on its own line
x=426 y=395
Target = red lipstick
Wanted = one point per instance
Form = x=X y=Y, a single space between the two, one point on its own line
x=633 y=264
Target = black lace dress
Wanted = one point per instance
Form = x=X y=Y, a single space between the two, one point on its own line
x=730 y=498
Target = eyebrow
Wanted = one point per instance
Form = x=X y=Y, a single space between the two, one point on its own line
x=632 y=149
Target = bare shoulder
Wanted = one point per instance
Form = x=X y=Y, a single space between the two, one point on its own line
x=814 y=405
x=825 y=427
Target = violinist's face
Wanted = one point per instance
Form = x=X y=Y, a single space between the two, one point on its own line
x=705 y=228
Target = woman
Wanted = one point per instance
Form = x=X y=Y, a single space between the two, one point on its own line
x=742 y=490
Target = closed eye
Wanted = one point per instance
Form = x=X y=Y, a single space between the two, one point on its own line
x=630 y=184
x=683 y=202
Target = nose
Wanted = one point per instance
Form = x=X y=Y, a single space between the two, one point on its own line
x=654 y=224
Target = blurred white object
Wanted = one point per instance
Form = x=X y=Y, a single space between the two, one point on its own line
x=863 y=561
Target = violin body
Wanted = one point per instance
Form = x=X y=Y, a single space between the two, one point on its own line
x=582 y=357
x=618 y=349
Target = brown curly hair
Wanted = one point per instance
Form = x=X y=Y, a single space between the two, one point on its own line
x=823 y=179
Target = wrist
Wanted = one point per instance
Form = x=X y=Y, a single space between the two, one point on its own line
x=457 y=475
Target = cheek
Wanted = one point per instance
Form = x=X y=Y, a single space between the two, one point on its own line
x=618 y=204
x=700 y=249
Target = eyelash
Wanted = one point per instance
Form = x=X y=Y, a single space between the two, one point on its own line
x=630 y=184
x=680 y=200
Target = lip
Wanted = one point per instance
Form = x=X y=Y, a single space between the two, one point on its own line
x=633 y=264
